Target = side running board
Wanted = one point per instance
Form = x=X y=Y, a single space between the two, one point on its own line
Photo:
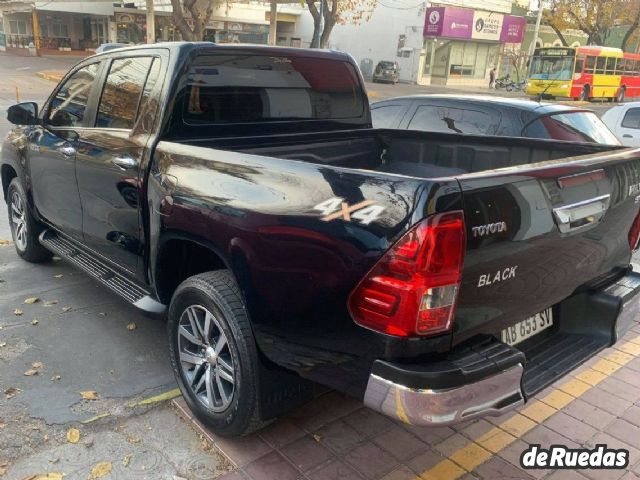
x=132 y=292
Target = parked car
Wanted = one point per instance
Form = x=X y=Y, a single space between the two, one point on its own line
x=624 y=122
x=241 y=191
x=489 y=115
x=105 y=47
x=386 y=72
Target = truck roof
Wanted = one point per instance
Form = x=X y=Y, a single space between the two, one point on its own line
x=210 y=47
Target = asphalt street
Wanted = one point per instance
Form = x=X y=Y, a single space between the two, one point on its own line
x=80 y=337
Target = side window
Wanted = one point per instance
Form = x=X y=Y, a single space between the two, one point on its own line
x=68 y=107
x=579 y=65
x=590 y=65
x=632 y=118
x=118 y=105
x=600 y=64
x=384 y=116
x=611 y=66
x=451 y=120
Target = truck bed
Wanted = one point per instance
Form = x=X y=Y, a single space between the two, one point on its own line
x=411 y=153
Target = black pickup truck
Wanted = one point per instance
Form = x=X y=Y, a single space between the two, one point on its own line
x=438 y=277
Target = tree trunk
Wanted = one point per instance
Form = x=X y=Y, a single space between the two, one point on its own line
x=329 y=15
x=558 y=33
x=632 y=28
x=316 y=23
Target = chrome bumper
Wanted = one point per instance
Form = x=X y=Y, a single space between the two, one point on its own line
x=493 y=396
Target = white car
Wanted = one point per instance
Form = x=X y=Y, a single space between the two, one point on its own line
x=624 y=121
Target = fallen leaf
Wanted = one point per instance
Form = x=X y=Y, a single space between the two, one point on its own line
x=5 y=242
x=18 y=312
x=49 y=303
x=3 y=344
x=60 y=275
x=36 y=365
x=73 y=435
x=54 y=460
x=126 y=460
x=31 y=300
x=3 y=470
x=134 y=439
x=11 y=392
x=204 y=446
x=102 y=314
x=317 y=438
x=34 y=321
x=89 y=395
x=66 y=309
x=100 y=470
x=56 y=377
x=132 y=326
x=31 y=372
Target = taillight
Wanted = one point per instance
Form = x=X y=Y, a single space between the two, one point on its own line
x=634 y=232
x=413 y=288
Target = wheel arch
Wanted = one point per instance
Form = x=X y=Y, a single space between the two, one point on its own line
x=8 y=173
x=181 y=255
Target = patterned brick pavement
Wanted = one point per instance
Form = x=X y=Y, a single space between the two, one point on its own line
x=335 y=438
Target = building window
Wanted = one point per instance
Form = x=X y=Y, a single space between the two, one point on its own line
x=17 y=27
x=428 y=46
x=60 y=30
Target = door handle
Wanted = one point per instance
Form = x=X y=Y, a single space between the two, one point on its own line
x=626 y=135
x=124 y=162
x=580 y=215
x=67 y=150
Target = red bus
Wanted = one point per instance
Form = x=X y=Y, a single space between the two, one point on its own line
x=583 y=73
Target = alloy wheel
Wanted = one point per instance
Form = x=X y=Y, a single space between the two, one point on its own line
x=19 y=221
x=205 y=358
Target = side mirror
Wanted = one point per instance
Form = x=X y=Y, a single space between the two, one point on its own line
x=25 y=113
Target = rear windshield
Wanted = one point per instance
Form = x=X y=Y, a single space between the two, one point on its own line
x=386 y=65
x=573 y=127
x=223 y=89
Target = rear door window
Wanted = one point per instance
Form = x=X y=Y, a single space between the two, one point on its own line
x=225 y=89
x=118 y=105
x=436 y=118
x=632 y=118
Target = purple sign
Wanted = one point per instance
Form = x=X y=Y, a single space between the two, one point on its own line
x=513 y=29
x=456 y=22
x=448 y=22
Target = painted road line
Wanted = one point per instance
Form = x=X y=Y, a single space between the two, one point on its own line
x=171 y=394
x=478 y=451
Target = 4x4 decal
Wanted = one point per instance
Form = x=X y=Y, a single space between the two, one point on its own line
x=364 y=212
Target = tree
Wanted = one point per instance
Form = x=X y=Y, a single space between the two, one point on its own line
x=196 y=12
x=596 y=18
x=334 y=12
x=517 y=58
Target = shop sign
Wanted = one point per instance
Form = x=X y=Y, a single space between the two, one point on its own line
x=448 y=22
x=513 y=29
x=456 y=22
x=486 y=25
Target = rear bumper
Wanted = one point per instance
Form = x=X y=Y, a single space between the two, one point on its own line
x=491 y=378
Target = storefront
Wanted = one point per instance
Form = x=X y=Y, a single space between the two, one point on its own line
x=462 y=45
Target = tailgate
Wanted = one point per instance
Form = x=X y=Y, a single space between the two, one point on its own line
x=539 y=232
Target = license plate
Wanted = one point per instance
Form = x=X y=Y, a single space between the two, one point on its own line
x=528 y=328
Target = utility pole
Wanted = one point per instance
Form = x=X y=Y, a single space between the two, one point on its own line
x=151 y=23
x=273 y=22
x=536 y=31
x=36 y=30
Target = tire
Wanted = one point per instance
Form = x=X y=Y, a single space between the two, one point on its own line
x=205 y=385
x=24 y=228
x=620 y=95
